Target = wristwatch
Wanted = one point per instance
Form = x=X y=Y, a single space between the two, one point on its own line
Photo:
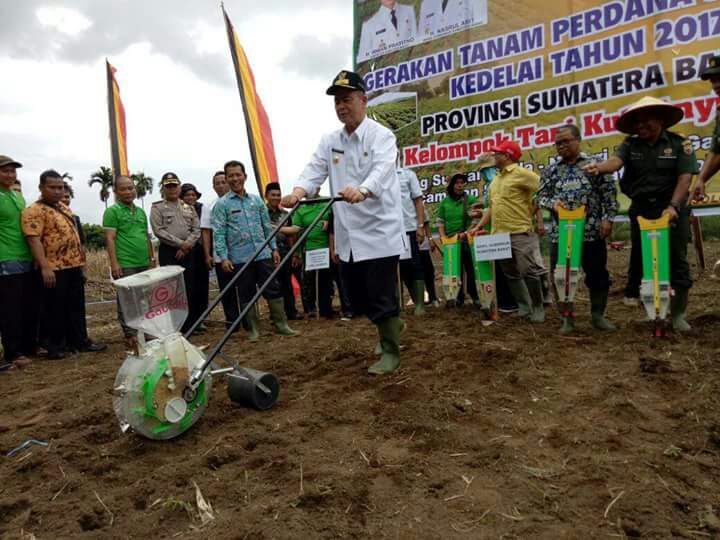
x=365 y=191
x=676 y=206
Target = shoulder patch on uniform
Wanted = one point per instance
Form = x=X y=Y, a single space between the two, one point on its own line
x=687 y=146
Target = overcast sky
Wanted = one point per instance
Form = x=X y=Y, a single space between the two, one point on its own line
x=176 y=80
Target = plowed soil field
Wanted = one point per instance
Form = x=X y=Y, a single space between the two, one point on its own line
x=500 y=431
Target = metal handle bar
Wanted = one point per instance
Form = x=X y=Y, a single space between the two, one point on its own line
x=257 y=253
x=199 y=373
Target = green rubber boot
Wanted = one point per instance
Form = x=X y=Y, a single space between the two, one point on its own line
x=389 y=332
x=568 y=326
x=251 y=324
x=519 y=290
x=419 y=297
x=378 y=348
x=598 y=303
x=278 y=318
x=534 y=287
x=678 y=309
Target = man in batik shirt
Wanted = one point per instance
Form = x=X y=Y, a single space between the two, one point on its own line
x=564 y=184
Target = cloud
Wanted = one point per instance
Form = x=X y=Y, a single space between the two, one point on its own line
x=310 y=57
x=176 y=81
x=83 y=31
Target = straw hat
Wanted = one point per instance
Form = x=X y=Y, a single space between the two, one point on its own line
x=668 y=114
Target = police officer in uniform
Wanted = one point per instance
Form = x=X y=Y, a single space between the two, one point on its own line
x=393 y=23
x=177 y=226
x=658 y=165
x=360 y=159
x=712 y=160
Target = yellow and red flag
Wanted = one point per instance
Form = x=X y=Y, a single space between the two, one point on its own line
x=256 y=119
x=116 y=119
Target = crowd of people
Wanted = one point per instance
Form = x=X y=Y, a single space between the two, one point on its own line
x=378 y=237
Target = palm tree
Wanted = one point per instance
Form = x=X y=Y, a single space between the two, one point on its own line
x=143 y=185
x=103 y=176
x=67 y=176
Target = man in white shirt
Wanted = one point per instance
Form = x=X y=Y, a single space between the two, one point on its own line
x=229 y=301
x=440 y=16
x=392 y=24
x=359 y=160
x=411 y=269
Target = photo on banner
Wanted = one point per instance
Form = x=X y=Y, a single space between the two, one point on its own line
x=518 y=73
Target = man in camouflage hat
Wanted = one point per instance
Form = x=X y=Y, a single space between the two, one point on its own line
x=177 y=226
x=659 y=165
x=712 y=160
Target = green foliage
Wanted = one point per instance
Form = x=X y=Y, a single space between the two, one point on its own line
x=396 y=114
x=143 y=185
x=104 y=178
x=94 y=237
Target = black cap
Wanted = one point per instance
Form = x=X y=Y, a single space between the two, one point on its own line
x=348 y=80
x=169 y=178
x=712 y=69
x=189 y=187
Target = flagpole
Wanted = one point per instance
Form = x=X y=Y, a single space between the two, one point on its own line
x=257 y=125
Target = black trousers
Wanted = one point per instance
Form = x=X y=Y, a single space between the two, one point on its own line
x=230 y=302
x=201 y=286
x=594 y=264
x=372 y=287
x=468 y=274
x=63 y=312
x=679 y=238
x=411 y=270
x=343 y=291
x=255 y=275
x=505 y=299
x=19 y=314
x=428 y=273
x=166 y=257
x=285 y=280
x=324 y=279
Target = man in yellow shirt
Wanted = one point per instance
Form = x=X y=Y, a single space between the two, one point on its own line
x=511 y=211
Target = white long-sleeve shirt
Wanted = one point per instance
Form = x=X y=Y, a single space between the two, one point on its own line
x=373 y=228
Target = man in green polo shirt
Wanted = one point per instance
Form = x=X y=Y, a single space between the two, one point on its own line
x=318 y=238
x=127 y=241
x=18 y=283
x=453 y=217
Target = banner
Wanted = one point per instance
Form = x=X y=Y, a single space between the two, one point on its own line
x=116 y=121
x=259 y=134
x=452 y=78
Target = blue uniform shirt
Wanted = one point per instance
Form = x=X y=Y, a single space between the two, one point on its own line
x=241 y=224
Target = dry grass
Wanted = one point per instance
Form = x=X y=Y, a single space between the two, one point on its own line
x=97 y=272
